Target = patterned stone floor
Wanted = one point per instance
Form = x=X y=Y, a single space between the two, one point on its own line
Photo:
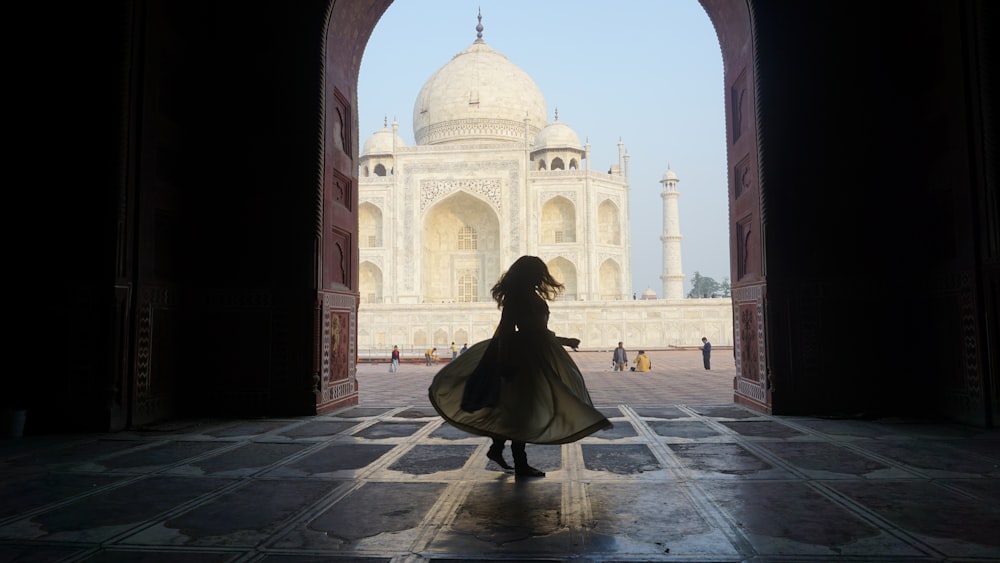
x=684 y=475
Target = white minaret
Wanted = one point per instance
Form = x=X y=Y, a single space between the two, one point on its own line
x=673 y=276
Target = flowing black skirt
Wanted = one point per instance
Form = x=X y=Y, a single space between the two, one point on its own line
x=542 y=400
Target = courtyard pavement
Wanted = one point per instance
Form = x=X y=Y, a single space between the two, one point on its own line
x=684 y=475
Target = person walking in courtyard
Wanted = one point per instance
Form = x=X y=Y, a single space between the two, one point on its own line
x=521 y=385
x=394 y=360
x=642 y=362
x=620 y=358
x=454 y=351
x=430 y=356
x=706 y=352
x=465 y=348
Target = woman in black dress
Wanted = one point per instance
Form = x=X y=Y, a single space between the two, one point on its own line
x=524 y=386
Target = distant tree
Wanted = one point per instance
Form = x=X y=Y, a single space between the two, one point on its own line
x=702 y=287
x=724 y=289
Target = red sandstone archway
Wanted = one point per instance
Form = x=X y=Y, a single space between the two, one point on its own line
x=349 y=26
x=732 y=21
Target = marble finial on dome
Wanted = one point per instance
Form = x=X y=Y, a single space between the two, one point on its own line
x=479 y=27
x=385 y=121
x=557 y=114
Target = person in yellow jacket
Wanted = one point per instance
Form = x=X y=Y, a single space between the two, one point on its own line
x=642 y=362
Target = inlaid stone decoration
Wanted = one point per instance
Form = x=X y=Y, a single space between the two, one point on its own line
x=433 y=190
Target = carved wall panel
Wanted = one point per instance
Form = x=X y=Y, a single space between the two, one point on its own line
x=744 y=247
x=739 y=102
x=337 y=385
x=339 y=268
x=150 y=398
x=963 y=389
x=341 y=122
x=342 y=192
x=753 y=384
x=337 y=344
x=742 y=177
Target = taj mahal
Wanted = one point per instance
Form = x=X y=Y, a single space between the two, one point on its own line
x=490 y=179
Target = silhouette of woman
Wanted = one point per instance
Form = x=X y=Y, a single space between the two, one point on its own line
x=535 y=391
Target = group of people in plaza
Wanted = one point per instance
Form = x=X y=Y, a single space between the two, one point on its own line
x=430 y=356
x=619 y=358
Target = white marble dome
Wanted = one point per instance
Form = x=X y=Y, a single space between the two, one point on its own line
x=381 y=143
x=557 y=135
x=478 y=96
x=669 y=176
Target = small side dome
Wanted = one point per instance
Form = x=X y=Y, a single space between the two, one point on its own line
x=557 y=135
x=649 y=293
x=381 y=143
x=669 y=176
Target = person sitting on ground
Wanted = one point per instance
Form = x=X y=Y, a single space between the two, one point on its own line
x=642 y=362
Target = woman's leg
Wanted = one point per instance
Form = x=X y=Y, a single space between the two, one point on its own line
x=496 y=453
x=521 y=466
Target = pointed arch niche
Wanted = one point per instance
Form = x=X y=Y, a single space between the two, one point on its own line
x=610 y=280
x=460 y=236
x=370 y=283
x=369 y=226
x=558 y=221
x=565 y=272
x=609 y=228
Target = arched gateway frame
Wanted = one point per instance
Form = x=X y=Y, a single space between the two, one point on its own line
x=255 y=311
x=349 y=26
x=797 y=94
x=217 y=191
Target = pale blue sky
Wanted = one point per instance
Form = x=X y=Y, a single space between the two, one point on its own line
x=646 y=72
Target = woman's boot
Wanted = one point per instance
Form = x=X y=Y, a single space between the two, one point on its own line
x=495 y=454
x=521 y=466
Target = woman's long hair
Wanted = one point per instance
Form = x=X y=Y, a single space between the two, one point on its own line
x=528 y=274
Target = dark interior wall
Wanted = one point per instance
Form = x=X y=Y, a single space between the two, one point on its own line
x=987 y=201
x=819 y=160
x=166 y=159
x=255 y=123
x=172 y=163
x=67 y=137
x=868 y=167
